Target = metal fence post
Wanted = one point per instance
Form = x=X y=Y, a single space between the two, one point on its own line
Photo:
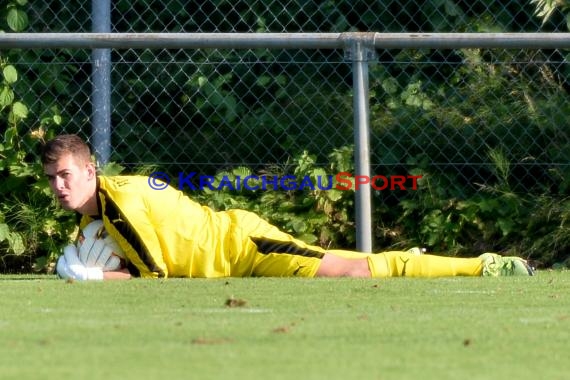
x=359 y=54
x=101 y=84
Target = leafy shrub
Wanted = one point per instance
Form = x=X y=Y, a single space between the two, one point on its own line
x=32 y=227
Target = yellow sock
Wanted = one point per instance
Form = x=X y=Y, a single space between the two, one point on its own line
x=400 y=263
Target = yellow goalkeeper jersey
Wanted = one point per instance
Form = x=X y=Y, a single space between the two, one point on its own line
x=164 y=233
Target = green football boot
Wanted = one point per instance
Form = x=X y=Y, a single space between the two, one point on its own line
x=496 y=265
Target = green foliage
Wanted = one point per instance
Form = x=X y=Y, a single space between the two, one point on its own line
x=545 y=9
x=517 y=114
x=32 y=227
x=13 y=16
x=495 y=219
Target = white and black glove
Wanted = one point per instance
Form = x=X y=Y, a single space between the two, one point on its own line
x=70 y=267
x=98 y=248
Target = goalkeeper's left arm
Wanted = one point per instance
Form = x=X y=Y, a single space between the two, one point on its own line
x=96 y=257
x=70 y=267
x=121 y=274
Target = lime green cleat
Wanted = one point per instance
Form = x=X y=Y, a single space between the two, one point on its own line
x=496 y=265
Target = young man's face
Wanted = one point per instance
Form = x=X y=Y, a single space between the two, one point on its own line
x=73 y=182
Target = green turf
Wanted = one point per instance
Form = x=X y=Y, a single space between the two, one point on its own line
x=402 y=328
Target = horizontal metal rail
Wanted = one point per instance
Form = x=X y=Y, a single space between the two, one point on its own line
x=283 y=40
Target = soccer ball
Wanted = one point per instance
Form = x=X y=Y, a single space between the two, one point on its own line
x=102 y=250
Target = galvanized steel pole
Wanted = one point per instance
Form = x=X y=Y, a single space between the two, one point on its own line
x=363 y=194
x=101 y=84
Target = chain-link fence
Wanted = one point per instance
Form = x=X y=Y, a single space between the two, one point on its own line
x=473 y=116
x=204 y=107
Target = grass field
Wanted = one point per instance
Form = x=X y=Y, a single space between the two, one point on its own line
x=269 y=328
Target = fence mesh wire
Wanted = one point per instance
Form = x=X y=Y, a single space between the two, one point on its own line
x=446 y=111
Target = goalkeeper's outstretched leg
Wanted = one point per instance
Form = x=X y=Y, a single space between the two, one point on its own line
x=412 y=264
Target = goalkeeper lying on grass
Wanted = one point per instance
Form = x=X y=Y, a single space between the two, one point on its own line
x=130 y=229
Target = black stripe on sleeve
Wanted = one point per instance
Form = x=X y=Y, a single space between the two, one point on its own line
x=125 y=228
x=267 y=246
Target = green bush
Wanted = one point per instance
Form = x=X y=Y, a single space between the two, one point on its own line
x=32 y=228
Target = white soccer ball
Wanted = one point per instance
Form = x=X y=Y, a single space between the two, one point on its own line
x=103 y=250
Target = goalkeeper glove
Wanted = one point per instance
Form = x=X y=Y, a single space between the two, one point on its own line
x=98 y=248
x=70 y=267
x=98 y=253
